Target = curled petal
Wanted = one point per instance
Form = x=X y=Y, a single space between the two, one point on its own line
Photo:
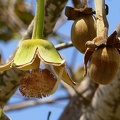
x=58 y=81
x=65 y=76
x=87 y=56
x=74 y=13
x=25 y=53
x=35 y=62
x=48 y=54
x=5 y=66
x=112 y=39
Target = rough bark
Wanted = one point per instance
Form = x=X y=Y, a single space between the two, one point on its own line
x=106 y=102
x=79 y=100
x=9 y=82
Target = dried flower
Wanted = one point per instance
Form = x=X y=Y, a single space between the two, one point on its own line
x=38 y=83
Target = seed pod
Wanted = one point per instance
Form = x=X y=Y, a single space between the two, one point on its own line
x=104 y=64
x=83 y=29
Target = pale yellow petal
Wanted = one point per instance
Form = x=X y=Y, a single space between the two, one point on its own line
x=5 y=66
x=65 y=77
x=31 y=65
x=58 y=81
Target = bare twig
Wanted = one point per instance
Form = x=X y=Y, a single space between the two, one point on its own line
x=101 y=17
x=77 y=3
x=48 y=118
x=84 y=2
x=63 y=45
x=118 y=30
x=31 y=103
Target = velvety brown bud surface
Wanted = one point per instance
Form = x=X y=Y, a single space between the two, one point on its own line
x=83 y=29
x=104 y=64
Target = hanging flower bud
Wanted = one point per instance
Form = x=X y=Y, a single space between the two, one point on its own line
x=83 y=29
x=104 y=64
x=84 y=26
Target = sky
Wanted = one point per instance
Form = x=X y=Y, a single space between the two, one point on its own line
x=40 y=112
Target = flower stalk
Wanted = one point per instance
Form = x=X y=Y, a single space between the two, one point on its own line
x=101 y=17
x=39 y=20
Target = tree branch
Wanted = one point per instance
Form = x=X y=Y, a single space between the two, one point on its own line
x=106 y=102
x=79 y=101
x=77 y=3
x=63 y=45
x=52 y=13
x=30 y=103
x=101 y=17
x=9 y=82
x=118 y=30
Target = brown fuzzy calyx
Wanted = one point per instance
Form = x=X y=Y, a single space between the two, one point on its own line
x=37 y=83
